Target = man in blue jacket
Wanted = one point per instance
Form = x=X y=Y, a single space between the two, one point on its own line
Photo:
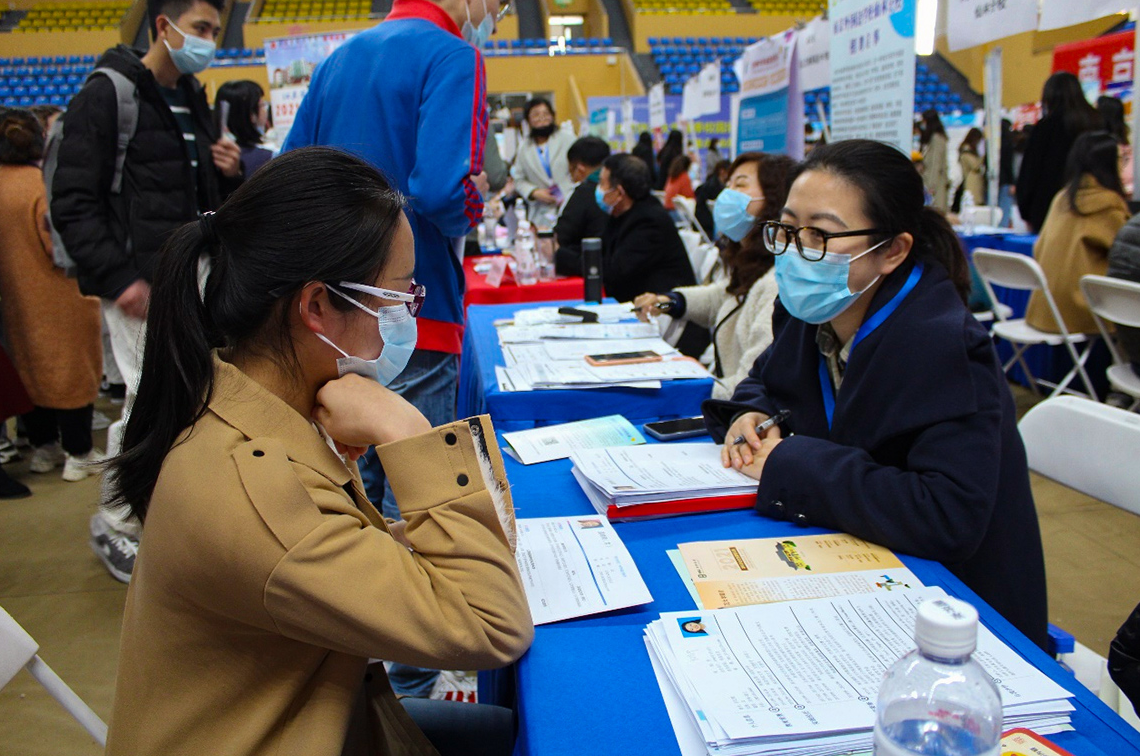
x=409 y=96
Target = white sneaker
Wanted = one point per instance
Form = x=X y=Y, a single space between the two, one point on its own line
x=115 y=549
x=79 y=468
x=46 y=458
x=455 y=686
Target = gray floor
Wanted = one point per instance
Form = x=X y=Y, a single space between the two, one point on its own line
x=56 y=588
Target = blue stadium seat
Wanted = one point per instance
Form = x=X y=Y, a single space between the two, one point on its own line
x=35 y=90
x=89 y=59
x=59 y=101
x=60 y=60
x=74 y=59
x=33 y=61
x=26 y=102
x=247 y=53
x=50 y=90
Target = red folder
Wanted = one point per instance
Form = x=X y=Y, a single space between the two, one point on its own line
x=680 y=507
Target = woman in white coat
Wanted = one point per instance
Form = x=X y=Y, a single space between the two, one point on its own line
x=737 y=311
x=541 y=170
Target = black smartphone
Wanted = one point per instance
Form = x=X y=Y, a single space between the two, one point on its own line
x=671 y=430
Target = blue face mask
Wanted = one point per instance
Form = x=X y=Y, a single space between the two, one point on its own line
x=730 y=214
x=399 y=332
x=477 y=37
x=194 y=56
x=816 y=292
x=600 y=198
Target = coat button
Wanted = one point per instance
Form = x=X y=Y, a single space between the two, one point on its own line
x=801 y=520
x=778 y=509
x=258 y=453
x=450 y=439
x=461 y=480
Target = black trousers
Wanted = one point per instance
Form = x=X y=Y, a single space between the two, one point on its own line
x=72 y=427
x=463 y=729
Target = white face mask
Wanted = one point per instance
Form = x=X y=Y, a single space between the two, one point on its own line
x=477 y=37
x=397 y=330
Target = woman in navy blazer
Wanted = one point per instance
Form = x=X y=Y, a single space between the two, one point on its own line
x=902 y=429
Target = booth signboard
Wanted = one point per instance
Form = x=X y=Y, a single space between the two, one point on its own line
x=769 y=117
x=635 y=118
x=1104 y=65
x=872 y=70
x=291 y=62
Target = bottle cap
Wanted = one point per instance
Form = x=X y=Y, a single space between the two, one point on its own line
x=946 y=628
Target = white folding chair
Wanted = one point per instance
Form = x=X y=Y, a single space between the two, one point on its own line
x=18 y=651
x=1116 y=301
x=1087 y=446
x=982 y=215
x=1016 y=271
x=687 y=209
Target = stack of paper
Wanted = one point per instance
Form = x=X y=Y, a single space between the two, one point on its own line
x=801 y=678
x=660 y=480
x=543 y=349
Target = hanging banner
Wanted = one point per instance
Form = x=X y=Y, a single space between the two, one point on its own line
x=708 y=89
x=992 y=124
x=690 y=94
x=291 y=62
x=975 y=22
x=1058 y=13
x=872 y=70
x=1103 y=64
x=628 y=137
x=813 y=48
x=769 y=117
x=657 y=107
x=599 y=119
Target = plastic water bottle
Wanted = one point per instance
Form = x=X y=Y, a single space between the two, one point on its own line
x=526 y=267
x=967 y=212
x=936 y=700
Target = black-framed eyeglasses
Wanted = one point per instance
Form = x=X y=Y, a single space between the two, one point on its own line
x=811 y=242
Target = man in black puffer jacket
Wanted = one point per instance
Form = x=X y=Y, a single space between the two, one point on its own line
x=175 y=168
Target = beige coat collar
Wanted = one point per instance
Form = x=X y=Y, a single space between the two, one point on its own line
x=257 y=412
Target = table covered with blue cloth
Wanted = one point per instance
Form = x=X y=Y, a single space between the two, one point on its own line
x=1049 y=363
x=517 y=410
x=586 y=685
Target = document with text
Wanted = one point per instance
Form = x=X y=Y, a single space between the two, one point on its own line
x=574 y=567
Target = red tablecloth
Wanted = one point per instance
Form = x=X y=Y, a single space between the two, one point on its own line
x=480 y=292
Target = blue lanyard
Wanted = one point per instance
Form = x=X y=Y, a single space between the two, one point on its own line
x=544 y=157
x=868 y=326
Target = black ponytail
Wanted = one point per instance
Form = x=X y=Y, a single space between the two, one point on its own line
x=314 y=214
x=894 y=200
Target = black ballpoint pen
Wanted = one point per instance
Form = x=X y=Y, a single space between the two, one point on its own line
x=774 y=420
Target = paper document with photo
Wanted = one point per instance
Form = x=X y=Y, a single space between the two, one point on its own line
x=574 y=567
x=763 y=570
x=560 y=441
x=808 y=672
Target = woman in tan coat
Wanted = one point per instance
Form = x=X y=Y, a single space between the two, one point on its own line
x=1083 y=220
x=266 y=580
x=54 y=331
x=973 y=167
